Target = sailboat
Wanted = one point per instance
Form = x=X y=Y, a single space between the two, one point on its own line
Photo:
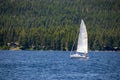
x=82 y=45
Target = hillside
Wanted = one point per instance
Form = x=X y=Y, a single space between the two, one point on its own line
x=54 y=24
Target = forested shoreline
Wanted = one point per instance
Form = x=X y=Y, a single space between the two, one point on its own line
x=54 y=24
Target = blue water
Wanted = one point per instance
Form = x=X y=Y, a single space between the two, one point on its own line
x=56 y=65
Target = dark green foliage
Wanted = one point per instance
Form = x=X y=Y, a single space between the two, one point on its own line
x=54 y=24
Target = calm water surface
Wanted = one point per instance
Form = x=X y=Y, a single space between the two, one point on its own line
x=56 y=65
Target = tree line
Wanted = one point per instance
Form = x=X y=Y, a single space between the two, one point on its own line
x=54 y=24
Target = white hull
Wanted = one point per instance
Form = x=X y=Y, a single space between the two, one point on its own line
x=77 y=56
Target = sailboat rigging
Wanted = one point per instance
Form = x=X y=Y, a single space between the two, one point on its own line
x=82 y=45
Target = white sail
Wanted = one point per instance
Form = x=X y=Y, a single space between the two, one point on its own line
x=82 y=45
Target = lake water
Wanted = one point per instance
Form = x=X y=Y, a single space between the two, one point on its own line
x=57 y=65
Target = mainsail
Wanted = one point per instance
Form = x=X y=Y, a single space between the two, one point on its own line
x=82 y=45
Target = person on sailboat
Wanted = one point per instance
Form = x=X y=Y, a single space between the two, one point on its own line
x=85 y=54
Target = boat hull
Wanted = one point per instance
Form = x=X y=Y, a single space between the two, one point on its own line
x=78 y=56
